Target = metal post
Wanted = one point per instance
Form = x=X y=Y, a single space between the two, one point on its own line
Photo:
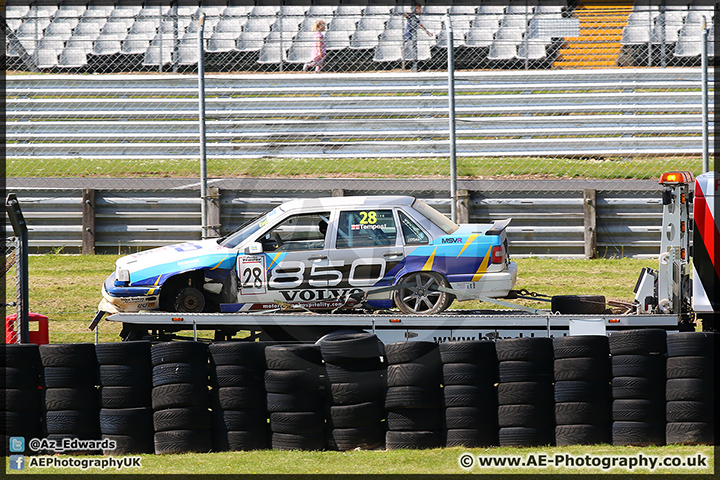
x=705 y=120
x=201 y=107
x=17 y=220
x=451 y=117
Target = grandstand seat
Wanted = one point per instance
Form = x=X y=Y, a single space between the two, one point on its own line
x=344 y=24
x=98 y=11
x=711 y=43
x=478 y=37
x=264 y=11
x=435 y=10
x=509 y=34
x=308 y=23
x=42 y=10
x=286 y=24
x=32 y=28
x=49 y=43
x=502 y=50
x=293 y=10
x=388 y=51
x=250 y=41
x=27 y=44
x=514 y=21
x=135 y=44
x=153 y=12
x=486 y=22
x=70 y=11
x=688 y=47
x=231 y=25
x=421 y=53
x=72 y=58
x=337 y=39
x=380 y=10
x=211 y=11
x=113 y=31
x=697 y=17
x=236 y=11
x=520 y=9
x=320 y=11
x=106 y=46
x=301 y=50
x=462 y=10
x=158 y=55
x=16 y=11
x=187 y=54
x=60 y=30
x=666 y=33
x=13 y=23
x=545 y=8
x=348 y=11
x=375 y=23
x=80 y=43
x=272 y=53
x=364 y=39
x=145 y=28
x=222 y=42
x=258 y=24
x=45 y=57
x=643 y=17
x=397 y=22
x=492 y=9
x=636 y=35
x=126 y=11
x=458 y=37
x=532 y=50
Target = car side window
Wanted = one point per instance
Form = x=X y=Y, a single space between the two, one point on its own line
x=299 y=232
x=366 y=228
x=411 y=231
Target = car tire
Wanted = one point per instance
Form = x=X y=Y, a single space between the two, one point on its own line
x=637 y=387
x=690 y=367
x=240 y=440
x=581 y=434
x=468 y=374
x=407 y=352
x=290 y=402
x=635 y=365
x=22 y=400
x=355 y=392
x=414 y=419
x=524 y=392
x=129 y=444
x=582 y=368
x=524 y=348
x=291 y=381
x=367 y=437
x=85 y=398
x=356 y=415
x=581 y=391
x=135 y=352
x=690 y=433
x=22 y=355
x=471 y=351
x=187 y=418
x=365 y=370
x=240 y=420
x=581 y=413
x=639 y=434
x=297 y=422
x=305 y=441
x=525 y=415
x=638 y=342
x=125 y=396
x=182 y=441
x=689 y=411
x=235 y=376
x=76 y=422
x=413 y=374
x=178 y=352
x=525 y=436
x=638 y=409
x=126 y=421
x=22 y=377
x=59 y=377
x=470 y=438
x=244 y=353
x=189 y=300
x=293 y=357
x=68 y=355
x=689 y=389
x=168 y=373
x=239 y=398
x=595 y=346
x=412 y=397
x=524 y=371
x=469 y=417
x=179 y=395
x=125 y=375
x=417 y=440
x=484 y=396
x=691 y=343
x=421 y=296
x=349 y=347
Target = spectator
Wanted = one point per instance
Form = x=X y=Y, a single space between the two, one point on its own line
x=319 y=49
x=411 y=26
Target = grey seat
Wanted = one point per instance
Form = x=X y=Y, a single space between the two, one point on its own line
x=301 y=50
x=250 y=41
x=45 y=57
x=364 y=39
x=157 y=55
x=72 y=58
x=337 y=39
x=106 y=46
x=502 y=50
x=222 y=41
x=135 y=44
x=477 y=37
x=532 y=50
x=187 y=54
x=636 y=35
x=388 y=51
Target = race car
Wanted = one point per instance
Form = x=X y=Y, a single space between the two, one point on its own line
x=321 y=254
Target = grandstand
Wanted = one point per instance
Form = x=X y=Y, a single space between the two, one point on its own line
x=98 y=36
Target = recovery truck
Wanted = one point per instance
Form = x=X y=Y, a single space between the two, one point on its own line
x=669 y=297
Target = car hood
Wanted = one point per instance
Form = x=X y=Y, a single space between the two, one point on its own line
x=151 y=267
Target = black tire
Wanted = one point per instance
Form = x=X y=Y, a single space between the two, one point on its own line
x=21 y=400
x=297 y=422
x=638 y=342
x=524 y=392
x=418 y=352
x=68 y=355
x=179 y=352
x=16 y=422
x=126 y=396
x=639 y=434
x=483 y=396
x=525 y=436
x=367 y=437
x=412 y=397
x=76 y=422
x=168 y=373
x=240 y=440
x=129 y=444
x=358 y=371
x=236 y=376
x=189 y=300
x=577 y=304
x=468 y=374
x=135 y=352
x=71 y=377
x=238 y=353
x=240 y=420
x=581 y=391
x=525 y=415
x=690 y=433
x=349 y=347
x=355 y=392
x=22 y=377
x=525 y=371
x=238 y=398
x=416 y=440
x=190 y=418
x=70 y=398
x=288 y=402
x=582 y=413
x=691 y=343
x=470 y=417
x=690 y=367
x=293 y=357
x=415 y=419
x=471 y=438
x=637 y=387
x=582 y=368
x=524 y=348
x=126 y=421
x=471 y=351
x=291 y=381
x=689 y=411
x=356 y=415
x=183 y=441
x=414 y=374
x=23 y=355
x=579 y=434
x=689 y=389
x=179 y=395
x=638 y=410
x=649 y=366
x=125 y=375
x=593 y=346
x=306 y=441
x=421 y=295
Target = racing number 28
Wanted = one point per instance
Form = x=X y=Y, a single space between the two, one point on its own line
x=252 y=278
x=368 y=218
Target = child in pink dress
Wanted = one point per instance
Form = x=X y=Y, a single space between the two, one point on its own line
x=319 y=50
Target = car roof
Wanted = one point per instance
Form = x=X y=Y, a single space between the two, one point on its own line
x=387 y=201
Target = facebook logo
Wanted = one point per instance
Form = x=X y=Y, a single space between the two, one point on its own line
x=17 y=462
x=17 y=444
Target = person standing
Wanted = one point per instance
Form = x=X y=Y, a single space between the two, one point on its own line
x=319 y=50
x=412 y=24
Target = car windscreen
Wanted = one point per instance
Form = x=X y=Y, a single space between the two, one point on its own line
x=247 y=230
x=447 y=225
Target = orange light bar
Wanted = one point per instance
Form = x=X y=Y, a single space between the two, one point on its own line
x=614 y=320
x=177 y=319
x=394 y=320
x=675 y=178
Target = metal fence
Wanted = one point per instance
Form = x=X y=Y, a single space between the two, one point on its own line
x=10 y=281
x=541 y=91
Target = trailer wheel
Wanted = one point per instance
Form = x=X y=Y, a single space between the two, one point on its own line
x=578 y=304
x=421 y=294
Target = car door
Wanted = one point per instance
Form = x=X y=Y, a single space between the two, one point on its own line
x=366 y=249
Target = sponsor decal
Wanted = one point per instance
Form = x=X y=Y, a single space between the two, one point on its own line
x=452 y=240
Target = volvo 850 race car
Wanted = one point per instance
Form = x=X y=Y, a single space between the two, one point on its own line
x=321 y=254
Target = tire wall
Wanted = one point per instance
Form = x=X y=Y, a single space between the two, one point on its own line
x=634 y=387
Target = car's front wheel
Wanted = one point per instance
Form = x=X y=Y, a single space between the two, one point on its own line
x=421 y=295
x=189 y=300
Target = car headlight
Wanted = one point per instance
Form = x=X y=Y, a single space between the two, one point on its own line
x=122 y=275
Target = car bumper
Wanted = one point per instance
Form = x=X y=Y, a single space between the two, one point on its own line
x=130 y=300
x=491 y=284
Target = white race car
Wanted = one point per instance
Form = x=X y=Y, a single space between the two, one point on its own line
x=321 y=254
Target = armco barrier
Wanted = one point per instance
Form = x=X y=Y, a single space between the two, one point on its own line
x=644 y=363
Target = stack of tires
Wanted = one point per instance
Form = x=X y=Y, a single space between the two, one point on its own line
x=70 y=388
x=355 y=388
x=525 y=391
x=469 y=393
x=21 y=402
x=638 y=386
x=582 y=390
x=294 y=397
x=240 y=421
x=125 y=385
x=690 y=388
x=413 y=401
x=180 y=398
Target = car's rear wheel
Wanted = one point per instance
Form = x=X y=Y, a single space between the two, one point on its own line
x=189 y=300
x=421 y=294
